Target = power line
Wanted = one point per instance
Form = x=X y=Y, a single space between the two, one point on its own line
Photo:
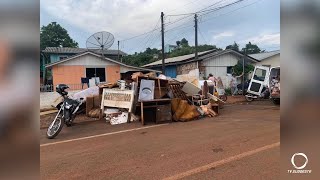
x=221 y=7
x=179 y=34
x=192 y=13
x=202 y=10
x=202 y=35
x=232 y=10
x=154 y=29
x=151 y=35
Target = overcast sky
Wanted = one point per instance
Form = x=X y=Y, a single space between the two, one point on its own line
x=257 y=21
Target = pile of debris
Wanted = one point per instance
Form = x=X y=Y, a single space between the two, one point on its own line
x=148 y=98
x=156 y=99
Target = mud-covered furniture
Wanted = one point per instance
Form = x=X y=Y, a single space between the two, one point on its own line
x=162 y=106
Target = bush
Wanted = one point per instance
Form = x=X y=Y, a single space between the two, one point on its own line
x=228 y=91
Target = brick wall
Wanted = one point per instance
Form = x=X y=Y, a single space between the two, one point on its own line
x=186 y=68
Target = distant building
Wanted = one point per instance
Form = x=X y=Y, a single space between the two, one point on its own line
x=55 y=54
x=73 y=69
x=218 y=63
x=169 y=48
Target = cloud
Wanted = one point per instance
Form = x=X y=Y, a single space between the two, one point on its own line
x=223 y=35
x=265 y=39
x=125 y=18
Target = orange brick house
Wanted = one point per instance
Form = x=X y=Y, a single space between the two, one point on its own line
x=88 y=64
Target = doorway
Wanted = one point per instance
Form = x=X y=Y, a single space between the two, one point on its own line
x=96 y=72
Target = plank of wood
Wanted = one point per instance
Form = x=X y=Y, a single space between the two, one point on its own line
x=48 y=112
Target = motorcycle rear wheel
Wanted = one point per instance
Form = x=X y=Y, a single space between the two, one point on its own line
x=56 y=127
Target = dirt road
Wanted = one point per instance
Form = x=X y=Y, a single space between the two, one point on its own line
x=242 y=143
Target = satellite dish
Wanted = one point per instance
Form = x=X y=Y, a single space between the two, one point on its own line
x=100 y=41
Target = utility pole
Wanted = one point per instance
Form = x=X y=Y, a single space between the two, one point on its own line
x=119 y=52
x=162 y=37
x=243 y=71
x=196 y=36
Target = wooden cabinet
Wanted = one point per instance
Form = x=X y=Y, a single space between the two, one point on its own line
x=163 y=113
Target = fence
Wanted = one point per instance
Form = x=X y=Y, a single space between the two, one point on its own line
x=46 y=88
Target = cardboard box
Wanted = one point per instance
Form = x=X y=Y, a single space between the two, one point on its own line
x=89 y=104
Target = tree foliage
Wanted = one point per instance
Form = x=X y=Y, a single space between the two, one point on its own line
x=184 y=42
x=237 y=69
x=251 y=49
x=54 y=35
x=151 y=55
x=234 y=46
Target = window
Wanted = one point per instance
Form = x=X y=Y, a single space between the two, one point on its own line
x=229 y=69
x=62 y=57
x=96 y=72
x=259 y=74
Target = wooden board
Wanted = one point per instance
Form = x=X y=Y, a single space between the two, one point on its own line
x=117 y=98
x=177 y=92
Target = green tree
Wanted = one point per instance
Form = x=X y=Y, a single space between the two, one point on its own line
x=237 y=69
x=234 y=46
x=178 y=43
x=146 y=57
x=54 y=35
x=251 y=49
x=184 y=42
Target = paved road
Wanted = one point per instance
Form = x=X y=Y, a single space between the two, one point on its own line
x=242 y=143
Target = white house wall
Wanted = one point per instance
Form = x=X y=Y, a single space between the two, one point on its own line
x=218 y=66
x=272 y=61
x=88 y=61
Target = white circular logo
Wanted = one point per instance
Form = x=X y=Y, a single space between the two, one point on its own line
x=299 y=154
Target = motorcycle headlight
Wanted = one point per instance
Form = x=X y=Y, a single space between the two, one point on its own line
x=68 y=106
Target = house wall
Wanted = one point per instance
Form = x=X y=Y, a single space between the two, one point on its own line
x=70 y=75
x=88 y=60
x=218 y=67
x=113 y=73
x=56 y=57
x=186 y=68
x=71 y=72
x=272 y=61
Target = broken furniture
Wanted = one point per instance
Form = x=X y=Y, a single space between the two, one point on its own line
x=93 y=106
x=117 y=98
x=199 y=100
x=84 y=80
x=163 y=109
x=175 y=89
x=160 y=86
x=183 y=111
x=150 y=92
x=146 y=90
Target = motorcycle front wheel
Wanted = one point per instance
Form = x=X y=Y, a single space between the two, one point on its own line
x=249 y=98
x=55 y=127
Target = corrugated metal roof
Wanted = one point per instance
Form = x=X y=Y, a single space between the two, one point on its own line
x=264 y=55
x=202 y=56
x=176 y=59
x=98 y=55
x=68 y=50
x=219 y=53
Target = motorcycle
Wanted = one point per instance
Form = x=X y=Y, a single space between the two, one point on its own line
x=246 y=85
x=68 y=110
